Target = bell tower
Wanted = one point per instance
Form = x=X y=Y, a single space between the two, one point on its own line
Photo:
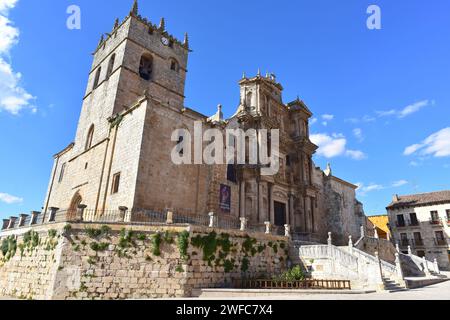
x=135 y=58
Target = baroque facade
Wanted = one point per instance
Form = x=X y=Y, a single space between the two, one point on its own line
x=121 y=155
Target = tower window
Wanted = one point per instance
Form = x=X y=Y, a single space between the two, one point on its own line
x=111 y=65
x=174 y=65
x=61 y=173
x=116 y=183
x=89 y=138
x=146 y=67
x=97 y=77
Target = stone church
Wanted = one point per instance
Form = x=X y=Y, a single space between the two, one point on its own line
x=121 y=155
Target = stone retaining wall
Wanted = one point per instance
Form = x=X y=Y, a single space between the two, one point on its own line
x=91 y=261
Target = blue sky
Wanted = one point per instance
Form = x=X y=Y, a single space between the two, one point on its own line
x=380 y=98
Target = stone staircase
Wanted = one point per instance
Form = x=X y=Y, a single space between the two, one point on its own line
x=331 y=262
x=392 y=285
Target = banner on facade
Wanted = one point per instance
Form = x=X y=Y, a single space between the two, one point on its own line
x=225 y=198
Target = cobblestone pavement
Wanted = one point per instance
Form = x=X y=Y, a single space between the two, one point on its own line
x=440 y=291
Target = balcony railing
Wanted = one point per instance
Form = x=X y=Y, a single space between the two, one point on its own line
x=399 y=224
x=436 y=222
x=440 y=242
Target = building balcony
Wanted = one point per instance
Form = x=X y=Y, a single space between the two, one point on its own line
x=414 y=223
x=440 y=242
x=404 y=243
x=400 y=225
x=418 y=243
x=436 y=222
x=407 y=224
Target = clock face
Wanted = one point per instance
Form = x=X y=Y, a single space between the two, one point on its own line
x=165 y=41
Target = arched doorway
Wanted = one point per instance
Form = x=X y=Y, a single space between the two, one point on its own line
x=73 y=208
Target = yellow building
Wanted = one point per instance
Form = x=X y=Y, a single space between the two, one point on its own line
x=381 y=223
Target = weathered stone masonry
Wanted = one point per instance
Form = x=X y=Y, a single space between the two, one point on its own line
x=90 y=261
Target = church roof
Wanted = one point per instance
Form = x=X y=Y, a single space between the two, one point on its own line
x=420 y=199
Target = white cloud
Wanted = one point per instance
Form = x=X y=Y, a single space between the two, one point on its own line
x=356 y=154
x=437 y=145
x=357 y=132
x=13 y=97
x=363 y=189
x=334 y=145
x=312 y=121
x=406 y=111
x=329 y=146
x=327 y=117
x=399 y=183
x=9 y=199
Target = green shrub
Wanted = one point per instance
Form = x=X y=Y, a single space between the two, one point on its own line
x=183 y=243
x=156 y=243
x=294 y=274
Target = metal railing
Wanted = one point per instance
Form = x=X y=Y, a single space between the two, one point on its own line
x=436 y=221
x=440 y=242
x=143 y=217
x=301 y=284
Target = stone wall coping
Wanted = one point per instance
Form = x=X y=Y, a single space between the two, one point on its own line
x=143 y=228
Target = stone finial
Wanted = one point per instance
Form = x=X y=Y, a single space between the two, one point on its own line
x=328 y=172
x=186 y=40
x=287 y=230
x=22 y=219
x=135 y=8
x=397 y=247
x=375 y=232
x=259 y=73
x=350 y=241
x=243 y=75
x=102 y=38
x=409 y=250
x=52 y=215
x=267 y=223
x=212 y=217
x=169 y=217
x=218 y=117
x=162 y=24
x=395 y=198
x=377 y=255
x=362 y=232
x=436 y=266
x=425 y=266
x=329 y=240
x=116 y=23
x=12 y=221
x=5 y=224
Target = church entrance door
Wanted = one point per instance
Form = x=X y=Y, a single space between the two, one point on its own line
x=280 y=214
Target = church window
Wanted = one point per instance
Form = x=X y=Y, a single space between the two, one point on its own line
x=249 y=98
x=89 y=138
x=61 y=173
x=97 y=77
x=111 y=65
x=146 y=67
x=116 y=183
